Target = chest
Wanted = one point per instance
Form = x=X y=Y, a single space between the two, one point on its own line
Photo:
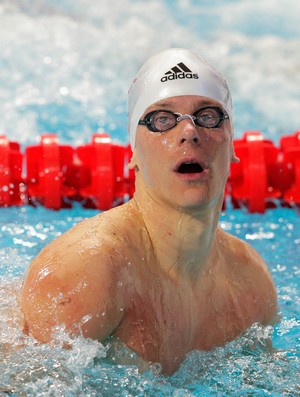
x=164 y=321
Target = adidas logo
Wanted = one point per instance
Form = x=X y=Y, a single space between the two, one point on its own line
x=180 y=71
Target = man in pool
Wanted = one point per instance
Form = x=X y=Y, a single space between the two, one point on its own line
x=158 y=273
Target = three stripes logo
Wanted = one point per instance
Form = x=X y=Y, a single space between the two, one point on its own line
x=180 y=71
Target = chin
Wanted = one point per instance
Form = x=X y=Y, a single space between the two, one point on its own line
x=194 y=204
x=200 y=201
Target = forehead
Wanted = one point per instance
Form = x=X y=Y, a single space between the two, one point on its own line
x=192 y=102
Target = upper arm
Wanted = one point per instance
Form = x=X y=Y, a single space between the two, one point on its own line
x=247 y=262
x=72 y=282
x=265 y=287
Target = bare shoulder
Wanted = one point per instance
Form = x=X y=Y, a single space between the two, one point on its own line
x=74 y=280
x=248 y=257
x=245 y=262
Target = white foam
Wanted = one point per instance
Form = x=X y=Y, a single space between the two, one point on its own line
x=66 y=68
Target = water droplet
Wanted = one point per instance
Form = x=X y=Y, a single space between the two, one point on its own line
x=64 y=91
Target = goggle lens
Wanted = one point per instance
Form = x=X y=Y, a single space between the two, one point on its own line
x=161 y=121
x=164 y=121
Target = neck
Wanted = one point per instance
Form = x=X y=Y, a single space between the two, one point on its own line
x=183 y=240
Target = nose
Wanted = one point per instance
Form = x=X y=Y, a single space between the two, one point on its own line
x=188 y=132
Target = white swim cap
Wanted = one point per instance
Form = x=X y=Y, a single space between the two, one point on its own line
x=170 y=73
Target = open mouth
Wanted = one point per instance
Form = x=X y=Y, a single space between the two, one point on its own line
x=190 y=168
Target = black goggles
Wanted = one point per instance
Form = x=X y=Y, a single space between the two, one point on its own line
x=164 y=120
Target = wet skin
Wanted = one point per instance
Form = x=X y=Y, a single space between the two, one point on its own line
x=157 y=273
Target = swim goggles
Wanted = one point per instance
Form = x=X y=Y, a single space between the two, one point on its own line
x=164 y=120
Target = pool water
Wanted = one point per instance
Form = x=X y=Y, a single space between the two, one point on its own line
x=90 y=370
x=65 y=68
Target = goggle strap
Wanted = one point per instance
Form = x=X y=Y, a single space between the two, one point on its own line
x=186 y=116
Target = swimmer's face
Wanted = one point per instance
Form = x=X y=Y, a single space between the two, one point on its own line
x=188 y=165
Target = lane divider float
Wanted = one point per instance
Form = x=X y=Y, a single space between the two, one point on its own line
x=97 y=174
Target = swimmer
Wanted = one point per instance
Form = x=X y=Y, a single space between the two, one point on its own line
x=158 y=273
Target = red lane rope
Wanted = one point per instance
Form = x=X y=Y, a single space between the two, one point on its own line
x=97 y=174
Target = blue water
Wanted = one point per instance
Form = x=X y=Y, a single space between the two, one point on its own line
x=65 y=67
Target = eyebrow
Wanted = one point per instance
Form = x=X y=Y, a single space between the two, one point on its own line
x=196 y=104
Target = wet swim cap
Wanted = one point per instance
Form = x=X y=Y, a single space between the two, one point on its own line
x=170 y=73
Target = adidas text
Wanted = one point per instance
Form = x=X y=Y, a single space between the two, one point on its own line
x=182 y=75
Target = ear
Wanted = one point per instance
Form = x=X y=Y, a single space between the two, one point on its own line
x=234 y=158
x=133 y=163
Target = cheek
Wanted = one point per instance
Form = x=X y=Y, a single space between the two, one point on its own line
x=220 y=136
x=224 y=161
x=150 y=147
x=146 y=159
x=221 y=143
